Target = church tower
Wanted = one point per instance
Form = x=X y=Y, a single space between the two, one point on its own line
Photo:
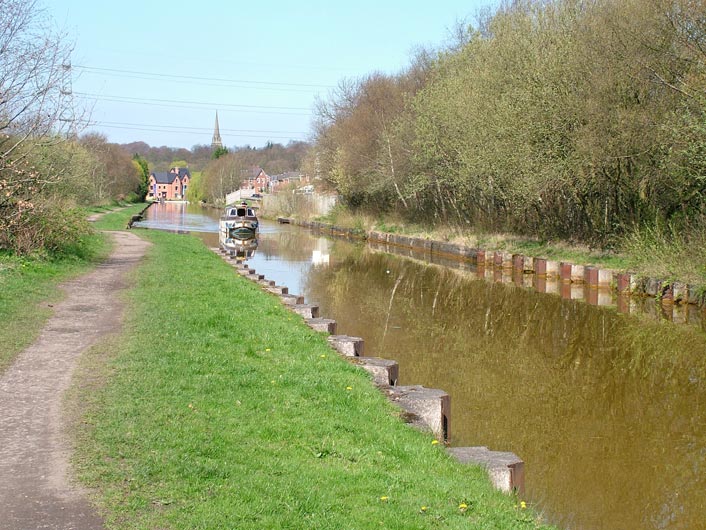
x=216 y=141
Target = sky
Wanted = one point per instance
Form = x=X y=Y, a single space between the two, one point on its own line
x=158 y=72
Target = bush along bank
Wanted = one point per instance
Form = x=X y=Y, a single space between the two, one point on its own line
x=222 y=409
x=668 y=291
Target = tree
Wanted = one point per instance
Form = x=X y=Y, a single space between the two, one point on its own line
x=218 y=152
x=144 y=171
x=33 y=112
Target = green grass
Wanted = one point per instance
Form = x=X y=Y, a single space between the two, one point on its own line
x=117 y=220
x=669 y=253
x=222 y=409
x=29 y=288
x=565 y=252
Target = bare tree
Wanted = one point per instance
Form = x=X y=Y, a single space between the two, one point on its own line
x=34 y=108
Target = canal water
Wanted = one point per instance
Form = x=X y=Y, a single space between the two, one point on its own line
x=607 y=410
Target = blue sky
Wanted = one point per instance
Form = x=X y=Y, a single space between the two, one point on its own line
x=158 y=71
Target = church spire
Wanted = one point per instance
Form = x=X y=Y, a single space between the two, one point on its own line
x=216 y=141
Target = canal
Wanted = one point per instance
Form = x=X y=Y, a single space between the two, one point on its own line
x=607 y=410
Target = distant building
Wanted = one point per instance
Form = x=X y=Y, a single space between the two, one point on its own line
x=216 y=141
x=287 y=178
x=170 y=185
x=255 y=179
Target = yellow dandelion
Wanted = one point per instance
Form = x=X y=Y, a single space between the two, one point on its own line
x=267 y=349
x=523 y=505
x=435 y=442
x=463 y=506
x=423 y=509
x=323 y=355
x=349 y=388
x=384 y=498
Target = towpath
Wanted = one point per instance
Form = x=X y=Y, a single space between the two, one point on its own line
x=35 y=486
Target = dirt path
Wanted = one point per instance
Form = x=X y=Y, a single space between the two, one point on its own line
x=35 y=490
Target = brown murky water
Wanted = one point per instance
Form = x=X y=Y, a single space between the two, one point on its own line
x=607 y=410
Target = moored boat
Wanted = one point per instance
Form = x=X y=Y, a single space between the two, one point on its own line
x=238 y=223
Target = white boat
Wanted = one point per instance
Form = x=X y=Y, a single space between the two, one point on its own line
x=237 y=224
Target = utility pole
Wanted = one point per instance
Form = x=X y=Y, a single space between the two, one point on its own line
x=67 y=117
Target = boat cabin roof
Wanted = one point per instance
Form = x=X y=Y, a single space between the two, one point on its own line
x=240 y=211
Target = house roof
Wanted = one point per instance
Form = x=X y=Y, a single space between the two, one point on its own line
x=163 y=177
x=253 y=172
x=289 y=175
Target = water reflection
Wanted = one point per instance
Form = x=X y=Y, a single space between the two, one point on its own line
x=606 y=410
x=604 y=404
x=178 y=216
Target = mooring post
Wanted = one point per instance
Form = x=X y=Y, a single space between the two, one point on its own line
x=347 y=346
x=426 y=407
x=322 y=324
x=679 y=292
x=590 y=276
x=505 y=469
x=306 y=310
x=292 y=299
x=625 y=282
x=480 y=258
x=385 y=372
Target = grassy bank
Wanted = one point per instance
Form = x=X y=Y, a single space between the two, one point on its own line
x=219 y=408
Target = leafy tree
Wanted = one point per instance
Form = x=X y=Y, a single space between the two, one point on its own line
x=144 y=172
x=218 y=152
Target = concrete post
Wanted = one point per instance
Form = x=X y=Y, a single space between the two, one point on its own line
x=426 y=408
x=292 y=299
x=680 y=292
x=502 y=260
x=275 y=289
x=605 y=277
x=552 y=269
x=505 y=470
x=625 y=282
x=518 y=262
x=480 y=258
x=306 y=310
x=322 y=324
x=385 y=372
x=347 y=346
x=653 y=286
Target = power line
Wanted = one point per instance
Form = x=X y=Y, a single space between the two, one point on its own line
x=209 y=104
x=151 y=75
x=186 y=128
x=191 y=133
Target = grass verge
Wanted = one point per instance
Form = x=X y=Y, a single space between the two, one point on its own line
x=222 y=409
x=29 y=288
x=117 y=220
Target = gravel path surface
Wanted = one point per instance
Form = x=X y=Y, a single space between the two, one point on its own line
x=35 y=487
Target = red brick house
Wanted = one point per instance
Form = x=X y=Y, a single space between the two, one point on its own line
x=255 y=179
x=169 y=185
